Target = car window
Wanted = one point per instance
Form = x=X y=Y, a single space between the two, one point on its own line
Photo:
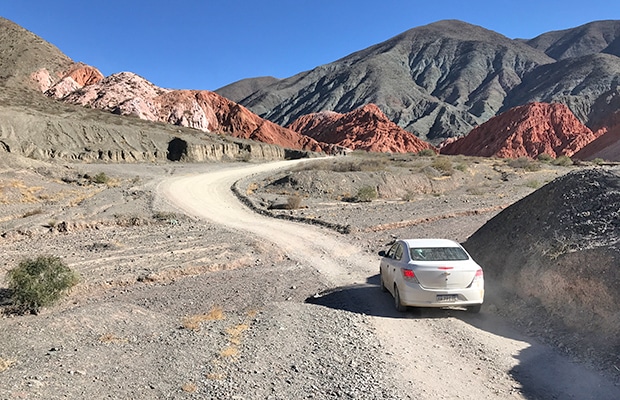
x=438 y=254
x=398 y=254
x=391 y=251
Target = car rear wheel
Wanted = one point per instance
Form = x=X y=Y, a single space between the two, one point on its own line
x=474 y=309
x=381 y=283
x=397 y=303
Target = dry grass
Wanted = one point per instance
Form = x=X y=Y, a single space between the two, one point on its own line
x=111 y=338
x=6 y=364
x=216 y=376
x=189 y=387
x=251 y=188
x=229 y=351
x=192 y=322
x=235 y=333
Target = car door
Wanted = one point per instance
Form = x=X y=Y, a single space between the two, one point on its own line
x=392 y=261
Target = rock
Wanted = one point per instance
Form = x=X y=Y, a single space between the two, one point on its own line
x=366 y=128
x=525 y=131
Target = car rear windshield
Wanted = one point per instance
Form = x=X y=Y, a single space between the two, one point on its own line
x=438 y=254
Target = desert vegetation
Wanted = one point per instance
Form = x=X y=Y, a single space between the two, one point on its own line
x=39 y=282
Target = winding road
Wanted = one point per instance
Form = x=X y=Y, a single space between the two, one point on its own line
x=436 y=354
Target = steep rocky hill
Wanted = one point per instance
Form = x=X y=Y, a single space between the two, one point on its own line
x=557 y=250
x=241 y=89
x=23 y=54
x=446 y=78
x=366 y=128
x=526 y=131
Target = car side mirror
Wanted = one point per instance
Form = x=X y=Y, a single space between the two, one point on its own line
x=382 y=253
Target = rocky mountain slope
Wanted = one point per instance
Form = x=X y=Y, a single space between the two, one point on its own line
x=557 y=251
x=526 y=131
x=446 y=78
x=23 y=53
x=366 y=128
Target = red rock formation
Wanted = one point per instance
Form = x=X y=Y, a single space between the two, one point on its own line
x=84 y=74
x=78 y=76
x=525 y=131
x=126 y=93
x=365 y=128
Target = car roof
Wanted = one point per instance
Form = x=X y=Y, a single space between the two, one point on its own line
x=431 y=243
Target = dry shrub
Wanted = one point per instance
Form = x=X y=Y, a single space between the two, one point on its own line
x=426 y=153
x=524 y=163
x=252 y=187
x=189 y=387
x=563 y=161
x=443 y=164
x=293 y=202
x=6 y=364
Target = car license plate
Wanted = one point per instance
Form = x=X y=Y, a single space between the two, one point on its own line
x=446 y=298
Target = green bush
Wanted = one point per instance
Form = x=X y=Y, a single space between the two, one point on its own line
x=99 y=178
x=563 y=161
x=426 y=153
x=524 y=163
x=544 y=157
x=444 y=165
x=366 y=194
x=39 y=282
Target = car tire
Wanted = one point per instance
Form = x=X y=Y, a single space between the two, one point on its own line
x=397 y=303
x=474 y=309
x=381 y=283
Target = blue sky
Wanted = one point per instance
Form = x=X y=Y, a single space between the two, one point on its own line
x=193 y=44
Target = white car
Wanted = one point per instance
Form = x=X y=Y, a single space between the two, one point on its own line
x=431 y=273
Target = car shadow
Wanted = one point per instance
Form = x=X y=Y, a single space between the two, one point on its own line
x=366 y=298
x=542 y=371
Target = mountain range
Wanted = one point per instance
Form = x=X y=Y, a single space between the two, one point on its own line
x=426 y=88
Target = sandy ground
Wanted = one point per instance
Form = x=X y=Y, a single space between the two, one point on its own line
x=211 y=300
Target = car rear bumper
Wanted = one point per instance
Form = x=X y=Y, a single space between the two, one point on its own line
x=418 y=297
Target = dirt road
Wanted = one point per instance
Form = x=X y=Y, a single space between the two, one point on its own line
x=430 y=354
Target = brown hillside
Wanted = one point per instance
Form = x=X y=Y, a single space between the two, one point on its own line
x=365 y=128
x=607 y=145
x=525 y=131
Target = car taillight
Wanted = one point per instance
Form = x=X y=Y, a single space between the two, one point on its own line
x=479 y=275
x=409 y=275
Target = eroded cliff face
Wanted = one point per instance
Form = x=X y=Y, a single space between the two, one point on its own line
x=128 y=94
x=525 y=131
x=366 y=128
x=41 y=128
